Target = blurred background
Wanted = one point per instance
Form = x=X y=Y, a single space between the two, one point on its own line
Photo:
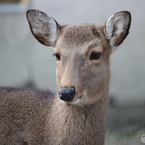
x=26 y=63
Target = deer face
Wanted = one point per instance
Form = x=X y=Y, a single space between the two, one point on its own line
x=82 y=54
x=82 y=63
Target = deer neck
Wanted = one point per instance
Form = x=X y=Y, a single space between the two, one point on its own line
x=78 y=125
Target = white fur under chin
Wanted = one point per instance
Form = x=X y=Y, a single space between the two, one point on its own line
x=83 y=101
x=74 y=102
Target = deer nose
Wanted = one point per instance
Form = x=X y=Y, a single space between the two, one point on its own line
x=67 y=94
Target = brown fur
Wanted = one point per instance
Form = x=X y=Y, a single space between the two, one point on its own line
x=36 y=117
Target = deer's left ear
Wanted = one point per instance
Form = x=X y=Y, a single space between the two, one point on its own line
x=43 y=27
x=117 y=27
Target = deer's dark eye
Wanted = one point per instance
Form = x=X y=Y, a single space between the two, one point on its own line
x=57 y=55
x=95 y=55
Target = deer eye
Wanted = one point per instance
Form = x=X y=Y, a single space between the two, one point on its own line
x=57 y=55
x=95 y=55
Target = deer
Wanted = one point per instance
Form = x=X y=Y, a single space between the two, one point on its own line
x=76 y=113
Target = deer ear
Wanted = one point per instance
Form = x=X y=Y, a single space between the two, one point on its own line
x=117 y=27
x=44 y=28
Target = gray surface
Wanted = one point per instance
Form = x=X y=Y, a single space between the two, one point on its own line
x=22 y=57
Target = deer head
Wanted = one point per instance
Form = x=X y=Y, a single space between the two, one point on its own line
x=82 y=54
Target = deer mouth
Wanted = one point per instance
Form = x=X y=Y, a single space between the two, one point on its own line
x=75 y=102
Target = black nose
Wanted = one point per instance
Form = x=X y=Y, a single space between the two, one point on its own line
x=67 y=94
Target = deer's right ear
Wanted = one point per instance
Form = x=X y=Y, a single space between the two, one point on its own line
x=117 y=27
x=44 y=28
